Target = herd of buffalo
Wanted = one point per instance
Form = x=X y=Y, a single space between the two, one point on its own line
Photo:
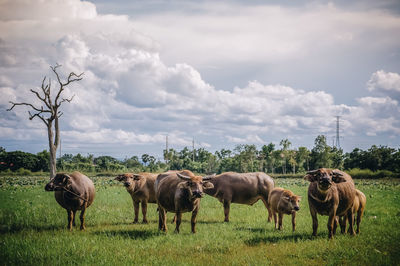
x=331 y=192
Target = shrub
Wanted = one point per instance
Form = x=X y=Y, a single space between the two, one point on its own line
x=368 y=174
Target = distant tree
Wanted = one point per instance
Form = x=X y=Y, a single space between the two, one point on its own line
x=132 y=162
x=105 y=162
x=337 y=158
x=302 y=159
x=285 y=143
x=49 y=111
x=292 y=160
x=18 y=159
x=43 y=161
x=267 y=151
x=321 y=153
x=145 y=158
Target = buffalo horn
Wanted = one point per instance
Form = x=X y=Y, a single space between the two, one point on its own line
x=208 y=177
x=312 y=172
x=183 y=177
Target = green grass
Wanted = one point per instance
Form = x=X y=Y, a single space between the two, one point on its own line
x=33 y=231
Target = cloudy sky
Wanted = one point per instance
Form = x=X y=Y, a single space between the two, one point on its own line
x=223 y=73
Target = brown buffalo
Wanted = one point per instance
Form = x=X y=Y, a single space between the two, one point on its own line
x=179 y=192
x=358 y=208
x=331 y=192
x=283 y=201
x=141 y=188
x=242 y=188
x=73 y=192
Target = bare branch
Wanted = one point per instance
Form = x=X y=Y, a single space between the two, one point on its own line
x=38 y=95
x=72 y=77
x=28 y=104
x=55 y=72
x=65 y=100
x=37 y=115
x=46 y=92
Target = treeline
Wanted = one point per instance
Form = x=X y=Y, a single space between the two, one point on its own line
x=243 y=158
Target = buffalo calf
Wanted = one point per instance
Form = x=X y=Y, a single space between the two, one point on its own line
x=283 y=201
x=358 y=208
x=141 y=188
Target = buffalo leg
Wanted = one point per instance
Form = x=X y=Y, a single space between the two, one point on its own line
x=82 y=218
x=73 y=218
x=280 y=220
x=227 y=205
x=350 y=217
x=265 y=201
x=275 y=218
x=162 y=225
x=335 y=224
x=330 y=225
x=193 y=220
x=136 y=209
x=70 y=218
x=343 y=224
x=144 y=211
x=178 y=221
x=294 y=221
x=314 y=220
x=173 y=219
x=359 y=216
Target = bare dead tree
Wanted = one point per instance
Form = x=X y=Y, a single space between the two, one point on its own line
x=49 y=111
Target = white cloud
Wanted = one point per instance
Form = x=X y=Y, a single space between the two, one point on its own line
x=130 y=96
x=218 y=34
x=387 y=83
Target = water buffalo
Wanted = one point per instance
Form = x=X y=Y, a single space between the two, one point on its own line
x=73 y=192
x=331 y=192
x=283 y=201
x=358 y=208
x=141 y=188
x=179 y=192
x=243 y=188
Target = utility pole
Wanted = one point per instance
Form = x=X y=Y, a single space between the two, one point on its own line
x=193 y=148
x=337 y=132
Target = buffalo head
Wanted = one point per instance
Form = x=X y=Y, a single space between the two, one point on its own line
x=59 y=182
x=194 y=184
x=292 y=202
x=325 y=177
x=129 y=180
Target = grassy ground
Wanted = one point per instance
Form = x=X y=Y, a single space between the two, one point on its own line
x=33 y=231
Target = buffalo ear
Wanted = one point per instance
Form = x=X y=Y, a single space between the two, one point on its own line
x=310 y=177
x=119 y=178
x=136 y=177
x=183 y=185
x=299 y=198
x=208 y=185
x=338 y=176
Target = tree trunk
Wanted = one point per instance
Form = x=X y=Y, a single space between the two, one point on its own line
x=52 y=149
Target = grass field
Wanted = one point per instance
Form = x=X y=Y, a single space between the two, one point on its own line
x=33 y=231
